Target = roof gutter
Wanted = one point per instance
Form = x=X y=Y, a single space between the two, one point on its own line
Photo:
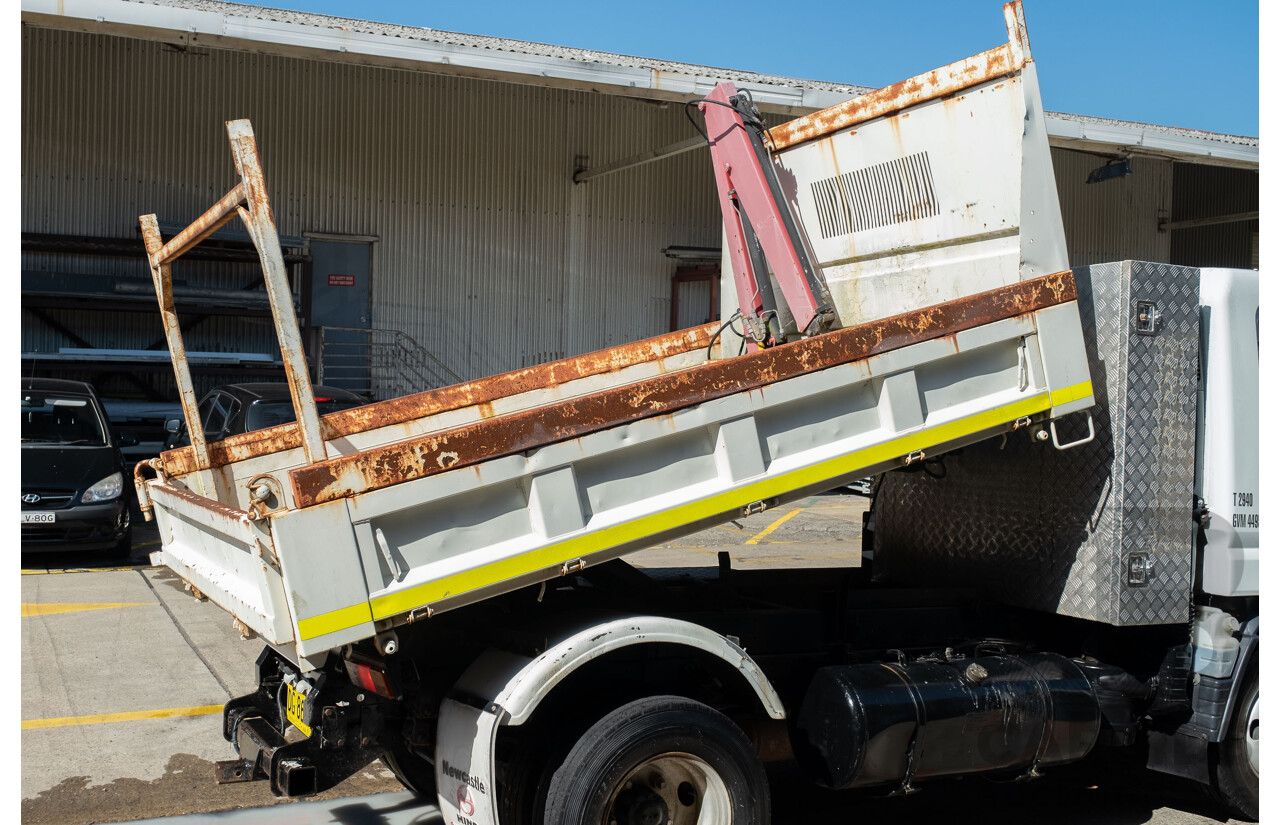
x=296 y=34
x=1120 y=137
x=195 y=28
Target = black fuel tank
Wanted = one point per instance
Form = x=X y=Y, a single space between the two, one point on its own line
x=892 y=724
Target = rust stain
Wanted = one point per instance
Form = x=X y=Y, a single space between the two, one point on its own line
x=660 y=395
x=473 y=393
x=901 y=95
x=202 y=227
x=203 y=503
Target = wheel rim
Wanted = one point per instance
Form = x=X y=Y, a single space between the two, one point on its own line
x=1251 y=735
x=671 y=789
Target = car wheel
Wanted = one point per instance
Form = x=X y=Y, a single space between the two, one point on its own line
x=1233 y=764
x=665 y=760
x=124 y=547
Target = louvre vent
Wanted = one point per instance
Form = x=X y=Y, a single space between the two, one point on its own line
x=896 y=191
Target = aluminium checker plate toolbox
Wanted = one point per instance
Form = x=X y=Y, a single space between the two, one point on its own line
x=1103 y=531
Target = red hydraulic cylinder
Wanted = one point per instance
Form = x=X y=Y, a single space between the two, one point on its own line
x=747 y=189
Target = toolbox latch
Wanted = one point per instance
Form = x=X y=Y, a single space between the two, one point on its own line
x=1139 y=567
x=1146 y=318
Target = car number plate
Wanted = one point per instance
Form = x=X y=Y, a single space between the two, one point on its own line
x=295 y=709
x=38 y=518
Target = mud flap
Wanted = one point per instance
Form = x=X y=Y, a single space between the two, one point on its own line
x=465 y=740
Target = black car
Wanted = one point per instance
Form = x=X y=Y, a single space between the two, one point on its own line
x=239 y=408
x=75 y=487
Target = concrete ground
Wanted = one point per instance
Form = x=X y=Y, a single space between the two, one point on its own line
x=124 y=675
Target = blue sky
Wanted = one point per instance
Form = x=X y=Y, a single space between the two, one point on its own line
x=1171 y=62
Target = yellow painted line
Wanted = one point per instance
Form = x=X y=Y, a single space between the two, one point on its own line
x=424 y=594
x=53 y=608
x=88 y=570
x=766 y=531
x=128 y=716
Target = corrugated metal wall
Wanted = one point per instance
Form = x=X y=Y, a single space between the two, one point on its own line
x=488 y=255
x=1207 y=192
x=1115 y=219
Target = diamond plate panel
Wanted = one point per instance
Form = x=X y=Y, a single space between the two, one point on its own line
x=1057 y=530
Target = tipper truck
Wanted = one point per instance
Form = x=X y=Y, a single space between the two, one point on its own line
x=1060 y=556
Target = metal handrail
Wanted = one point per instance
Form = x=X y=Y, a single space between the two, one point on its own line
x=410 y=361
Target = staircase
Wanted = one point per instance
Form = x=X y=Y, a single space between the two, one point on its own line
x=378 y=363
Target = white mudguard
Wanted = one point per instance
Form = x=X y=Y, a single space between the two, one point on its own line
x=512 y=686
x=464 y=764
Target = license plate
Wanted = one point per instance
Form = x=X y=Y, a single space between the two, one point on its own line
x=38 y=518
x=295 y=709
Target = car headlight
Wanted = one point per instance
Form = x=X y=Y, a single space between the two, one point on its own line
x=108 y=488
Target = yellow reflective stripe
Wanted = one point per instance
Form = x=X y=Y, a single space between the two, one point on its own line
x=334 y=620
x=1073 y=393
x=466 y=581
x=402 y=601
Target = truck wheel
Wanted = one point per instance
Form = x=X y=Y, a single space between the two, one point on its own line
x=1233 y=765
x=414 y=772
x=661 y=760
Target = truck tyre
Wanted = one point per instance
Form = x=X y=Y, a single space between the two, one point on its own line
x=660 y=760
x=1233 y=764
x=414 y=772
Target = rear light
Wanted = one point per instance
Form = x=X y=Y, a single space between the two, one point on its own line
x=320 y=400
x=370 y=677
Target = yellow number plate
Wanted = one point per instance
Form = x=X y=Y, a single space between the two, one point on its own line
x=294 y=704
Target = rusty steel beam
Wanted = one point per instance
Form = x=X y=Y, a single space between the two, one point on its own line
x=259 y=222
x=163 y=282
x=989 y=65
x=469 y=394
x=209 y=510
x=202 y=227
x=530 y=429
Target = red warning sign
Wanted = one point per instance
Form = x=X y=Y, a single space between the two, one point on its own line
x=342 y=280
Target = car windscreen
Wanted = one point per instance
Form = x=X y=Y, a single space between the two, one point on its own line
x=270 y=413
x=49 y=418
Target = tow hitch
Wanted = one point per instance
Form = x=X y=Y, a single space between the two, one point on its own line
x=339 y=729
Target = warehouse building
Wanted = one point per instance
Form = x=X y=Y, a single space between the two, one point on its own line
x=451 y=206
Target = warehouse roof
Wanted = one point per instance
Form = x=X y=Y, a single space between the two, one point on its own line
x=256 y=28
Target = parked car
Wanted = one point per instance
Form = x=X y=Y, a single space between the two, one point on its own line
x=75 y=486
x=240 y=408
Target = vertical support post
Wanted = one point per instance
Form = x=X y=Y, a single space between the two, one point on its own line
x=320 y=358
x=160 y=277
x=1019 y=42
x=261 y=226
